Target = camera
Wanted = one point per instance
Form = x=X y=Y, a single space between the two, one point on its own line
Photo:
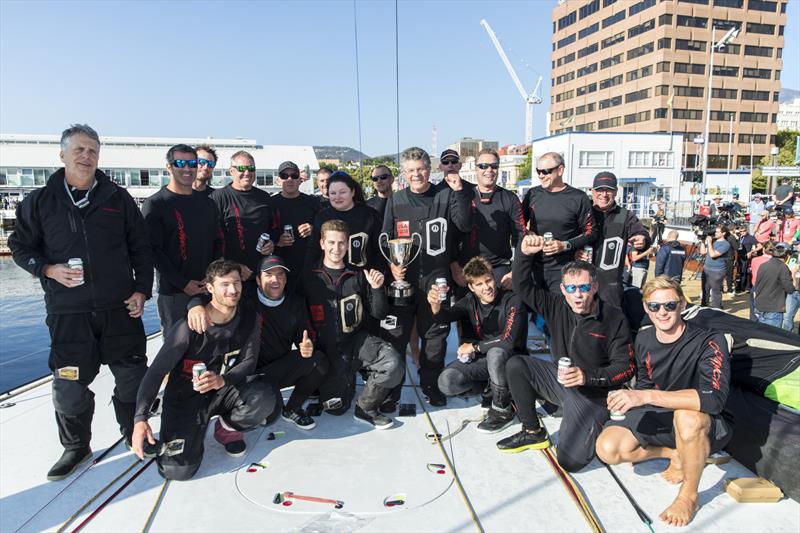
x=703 y=226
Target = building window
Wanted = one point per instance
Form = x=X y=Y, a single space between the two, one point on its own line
x=725 y=24
x=760 y=73
x=764 y=29
x=580 y=91
x=614 y=39
x=587 y=31
x=777 y=74
x=728 y=94
x=633 y=118
x=586 y=108
x=692 y=92
x=569 y=58
x=665 y=42
x=729 y=3
x=692 y=22
x=776 y=96
x=759 y=51
x=640 y=51
x=640 y=6
x=566 y=41
x=687 y=114
x=665 y=19
x=611 y=82
x=661 y=112
x=611 y=102
x=745 y=116
x=717 y=161
x=613 y=19
x=761 y=5
x=588 y=9
x=662 y=66
x=567 y=20
x=730 y=49
x=762 y=96
x=608 y=123
x=637 y=95
x=702 y=2
x=732 y=72
x=642 y=28
x=662 y=90
x=640 y=73
x=723 y=115
x=588 y=69
x=686 y=44
x=592 y=48
x=607 y=3
x=596 y=159
x=638 y=159
x=611 y=61
x=690 y=68
x=747 y=138
x=589 y=126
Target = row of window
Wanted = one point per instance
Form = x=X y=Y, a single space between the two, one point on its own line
x=697 y=114
x=636 y=159
x=754 y=5
x=37 y=177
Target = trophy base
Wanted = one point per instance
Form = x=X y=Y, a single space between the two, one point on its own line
x=401 y=294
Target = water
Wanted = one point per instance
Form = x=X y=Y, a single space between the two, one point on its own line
x=24 y=338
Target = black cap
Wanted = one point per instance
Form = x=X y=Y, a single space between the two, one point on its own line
x=272 y=261
x=287 y=165
x=450 y=152
x=605 y=180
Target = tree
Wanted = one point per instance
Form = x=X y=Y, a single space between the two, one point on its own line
x=786 y=142
x=526 y=166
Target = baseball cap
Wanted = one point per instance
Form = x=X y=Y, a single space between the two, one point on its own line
x=272 y=261
x=287 y=165
x=605 y=180
x=449 y=152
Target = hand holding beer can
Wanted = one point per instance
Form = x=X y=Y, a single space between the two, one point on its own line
x=616 y=415
x=262 y=241
x=441 y=284
x=564 y=364
x=548 y=237
x=288 y=230
x=198 y=369
x=76 y=263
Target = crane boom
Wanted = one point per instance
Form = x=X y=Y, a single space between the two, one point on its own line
x=503 y=56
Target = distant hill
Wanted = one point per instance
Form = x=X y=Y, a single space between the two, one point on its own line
x=787 y=95
x=342 y=153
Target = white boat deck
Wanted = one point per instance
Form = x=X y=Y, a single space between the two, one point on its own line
x=343 y=460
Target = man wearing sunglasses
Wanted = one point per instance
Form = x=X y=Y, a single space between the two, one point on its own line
x=557 y=208
x=184 y=233
x=245 y=213
x=293 y=208
x=593 y=334
x=382 y=180
x=676 y=410
x=206 y=162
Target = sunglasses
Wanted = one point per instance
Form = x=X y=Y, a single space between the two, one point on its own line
x=290 y=176
x=546 y=171
x=245 y=168
x=449 y=161
x=180 y=163
x=211 y=164
x=583 y=287
x=381 y=177
x=484 y=166
x=655 y=307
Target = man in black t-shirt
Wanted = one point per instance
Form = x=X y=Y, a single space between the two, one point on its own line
x=676 y=410
x=557 y=208
x=383 y=180
x=184 y=232
x=784 y=196
x=206 y=162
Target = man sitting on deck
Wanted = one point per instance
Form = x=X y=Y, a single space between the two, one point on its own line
x=676 y=410
x=229 y=351
x=498 y=321
x=593 y=334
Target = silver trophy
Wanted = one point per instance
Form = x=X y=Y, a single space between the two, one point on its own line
x=401 y=293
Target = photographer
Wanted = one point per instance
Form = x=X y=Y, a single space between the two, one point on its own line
x=772 y=282
x=717 y=250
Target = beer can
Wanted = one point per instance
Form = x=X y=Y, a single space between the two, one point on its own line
x=198 y=369
x=441 y=283
x=589 y=251
x=564 y=364
x=616 y=415
x=548 y=236
x=262 y=241
x=288 y=230
x=76 y=263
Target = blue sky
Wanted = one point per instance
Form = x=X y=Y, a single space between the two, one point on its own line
x=280 y=72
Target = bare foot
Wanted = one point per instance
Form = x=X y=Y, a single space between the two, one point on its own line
x=674 y=472
x=681 y=512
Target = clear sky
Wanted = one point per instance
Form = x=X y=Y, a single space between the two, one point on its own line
x=281 y=72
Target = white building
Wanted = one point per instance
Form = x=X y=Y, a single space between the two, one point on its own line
x=138 y=163
x=507 y=175
x=647 y=165
x=789 y=115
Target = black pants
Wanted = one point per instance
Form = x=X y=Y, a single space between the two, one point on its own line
x=530 y=379
x=743 y=278
x=186 y=414
x=306 y=374
x=80 y=343
x=729 y=275
x=711 y=288
x=171 y=308
x=459 y=377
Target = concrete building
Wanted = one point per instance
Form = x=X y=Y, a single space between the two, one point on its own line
x=643 y=66
x=467 y=146
x=789 y=115
x=138 y=163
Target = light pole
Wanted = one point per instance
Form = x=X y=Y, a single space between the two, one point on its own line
x=728 y=37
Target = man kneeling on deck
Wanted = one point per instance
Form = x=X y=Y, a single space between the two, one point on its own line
x=499 y=323
x=339 y=298
x=676 y=410
x=596 y=338
x=228 y=350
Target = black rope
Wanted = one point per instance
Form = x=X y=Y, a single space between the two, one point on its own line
x=358 y=91
x=397 y=76
x=643 y=516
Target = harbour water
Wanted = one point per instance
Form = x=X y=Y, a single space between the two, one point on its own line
x=24 y=339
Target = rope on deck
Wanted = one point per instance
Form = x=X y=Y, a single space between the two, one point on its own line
x=156 y=505
x=574 y=491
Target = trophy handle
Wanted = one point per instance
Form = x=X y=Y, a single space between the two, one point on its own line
x=419 y=248
x=381 y=237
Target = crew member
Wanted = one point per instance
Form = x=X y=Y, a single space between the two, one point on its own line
x=322 y=183
x=184 y=233
x=676 y=409
x=229 y=351
x=596 y=338
x=382 y=179
x=498 y=321
x=206 y=162
x=93 y=313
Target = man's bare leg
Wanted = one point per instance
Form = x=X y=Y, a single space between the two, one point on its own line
x=618 y=445
x=691 y=437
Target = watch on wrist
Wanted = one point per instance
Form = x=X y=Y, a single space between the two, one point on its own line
x=567 y=245
x=476 y=348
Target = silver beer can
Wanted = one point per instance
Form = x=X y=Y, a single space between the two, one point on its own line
x=616 y=415
x=76 y=263
x=441 y=283
x=564 y=364
x=262 y=241
x=548 y=237
x=589 y=251
x=198 y=369
x=288 y=230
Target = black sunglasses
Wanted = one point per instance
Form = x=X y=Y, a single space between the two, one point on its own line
x=654 y=307
x=546 y=171
x=180 y=163
x=484 y=166
x=290 y=176
x=211 y=164
x=381 y=177
x=449 y=161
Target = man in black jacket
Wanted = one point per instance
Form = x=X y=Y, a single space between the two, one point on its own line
x=93 y=313
x=773 y=281
x=229 y=351
x=430 y=213
x=383 y=179
x=185 y=235
x=670 y=257
x=593 y=334
x=498 y=329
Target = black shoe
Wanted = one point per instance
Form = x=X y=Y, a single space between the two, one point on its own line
x=497 y=420
x=233 y=441
x=524 y=440
x=435 y=396
x=486 y=398
x=300 y=418
x=150 y=450
x=388 y=406
x=69 y=461
x=376 y=419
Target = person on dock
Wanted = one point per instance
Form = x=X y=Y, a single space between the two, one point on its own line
x=498 y=330
x=596 y=338
x=184 y=233
x=94 y=309
x=228 y=351
x=676 y=410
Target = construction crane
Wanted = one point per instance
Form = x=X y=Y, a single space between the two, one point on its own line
x=530 y=99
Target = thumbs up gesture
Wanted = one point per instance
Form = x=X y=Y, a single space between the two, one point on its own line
x=306 y=346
